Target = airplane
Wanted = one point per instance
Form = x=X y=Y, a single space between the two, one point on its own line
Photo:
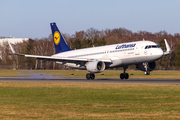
x=143 y=54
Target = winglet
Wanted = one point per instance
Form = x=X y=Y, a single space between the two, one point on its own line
x=167 y=47
x=13 y=51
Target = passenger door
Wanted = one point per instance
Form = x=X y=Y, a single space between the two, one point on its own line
x=137 y=49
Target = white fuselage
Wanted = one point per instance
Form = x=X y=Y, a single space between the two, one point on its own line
x=123 y=54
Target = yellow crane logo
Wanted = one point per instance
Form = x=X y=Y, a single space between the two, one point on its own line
x=57 y=37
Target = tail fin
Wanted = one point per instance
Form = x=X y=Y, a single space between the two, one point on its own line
x=59 y=42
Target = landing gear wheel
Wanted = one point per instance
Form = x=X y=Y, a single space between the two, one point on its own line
x=124 y=75
x=90 y=76
x=147 y=72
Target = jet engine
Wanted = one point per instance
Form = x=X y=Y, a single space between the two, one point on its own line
x=95 y=66
x=150 y=66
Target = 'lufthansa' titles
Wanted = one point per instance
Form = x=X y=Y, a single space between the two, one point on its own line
x=125 y=46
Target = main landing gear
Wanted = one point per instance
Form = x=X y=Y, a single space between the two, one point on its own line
x=90 y=76
x=124 y=75
x=147 y=72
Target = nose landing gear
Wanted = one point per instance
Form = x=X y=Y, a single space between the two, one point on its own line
x=124 y=75
x=147 y=72
x=90 y=76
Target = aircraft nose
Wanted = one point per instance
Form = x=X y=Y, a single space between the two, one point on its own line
x=159 y=53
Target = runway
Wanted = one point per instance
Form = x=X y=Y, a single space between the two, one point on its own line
x=83 y=80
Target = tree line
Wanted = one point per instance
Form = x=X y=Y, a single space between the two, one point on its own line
x=89 y=38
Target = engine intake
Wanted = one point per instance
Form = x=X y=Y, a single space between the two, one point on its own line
x=95 y=66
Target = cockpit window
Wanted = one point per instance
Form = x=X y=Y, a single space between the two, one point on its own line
x=152 y=46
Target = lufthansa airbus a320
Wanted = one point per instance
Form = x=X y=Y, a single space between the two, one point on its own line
x=143 y=54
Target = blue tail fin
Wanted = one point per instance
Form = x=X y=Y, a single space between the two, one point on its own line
x=59 y=42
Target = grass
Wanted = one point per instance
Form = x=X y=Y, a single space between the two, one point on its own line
x=82 y=73
x=22 y=100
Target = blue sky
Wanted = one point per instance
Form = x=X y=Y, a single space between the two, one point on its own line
x=31 y=18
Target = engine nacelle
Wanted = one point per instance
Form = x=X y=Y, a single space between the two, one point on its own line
x=95 y=66
x=151 y=66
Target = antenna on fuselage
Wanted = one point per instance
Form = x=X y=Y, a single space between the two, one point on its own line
x=143 y=39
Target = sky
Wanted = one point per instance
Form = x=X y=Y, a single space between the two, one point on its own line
x=32 y=18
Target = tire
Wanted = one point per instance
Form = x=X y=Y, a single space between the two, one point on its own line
x=126 y=75
x=122 y=75
x=147 y=72
x=88 y=76
x=92 y=76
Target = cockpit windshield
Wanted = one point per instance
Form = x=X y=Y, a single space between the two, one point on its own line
x=152 y=46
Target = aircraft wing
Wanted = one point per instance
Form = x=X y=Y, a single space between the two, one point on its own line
x=60 y=59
